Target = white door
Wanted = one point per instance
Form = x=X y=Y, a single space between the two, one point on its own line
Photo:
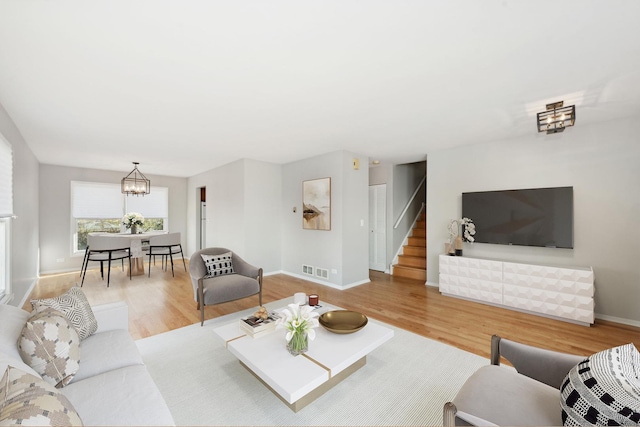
x=378 y=231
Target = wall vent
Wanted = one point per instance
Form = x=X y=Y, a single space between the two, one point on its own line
x=307 y=269
x=322 y=272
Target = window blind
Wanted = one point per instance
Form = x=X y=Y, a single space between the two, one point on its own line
x=6 y=178
x=96 y=200
x=153 y=205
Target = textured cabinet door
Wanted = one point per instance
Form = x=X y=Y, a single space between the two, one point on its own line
x=564 y=293
x=471 y=278
x=561 y=292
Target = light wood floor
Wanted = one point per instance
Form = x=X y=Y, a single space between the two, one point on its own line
x=162 y=303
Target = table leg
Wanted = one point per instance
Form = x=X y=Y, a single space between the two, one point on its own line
x=137 y=266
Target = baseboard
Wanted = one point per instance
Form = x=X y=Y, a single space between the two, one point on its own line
x=629 y=322
x=27 y=294
x=432 y=284
x=325 y=283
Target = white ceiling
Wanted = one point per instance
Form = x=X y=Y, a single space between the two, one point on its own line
x=183 y=86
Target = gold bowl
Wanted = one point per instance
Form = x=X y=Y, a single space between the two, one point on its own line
x=343 y=321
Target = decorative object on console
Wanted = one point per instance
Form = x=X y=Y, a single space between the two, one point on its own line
x=603 y=389
x=75 y=307
x=316 y=204
x=299 y=322
x=135 y=183
x=132 y=220
x=458 y=228
x=556 y=118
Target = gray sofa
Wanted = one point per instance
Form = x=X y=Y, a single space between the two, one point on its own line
x=112 y=385
x=528 y=395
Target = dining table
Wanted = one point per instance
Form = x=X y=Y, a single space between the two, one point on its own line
x=135 y=248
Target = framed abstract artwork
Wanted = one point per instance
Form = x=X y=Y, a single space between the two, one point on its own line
x=316 y=204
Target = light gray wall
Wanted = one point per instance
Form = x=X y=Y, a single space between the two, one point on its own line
x=343 y=249
x=599 y=161
x=263 y=213
x=355 y=221
x=24 y=229
x=243 y=211
x=55 y=211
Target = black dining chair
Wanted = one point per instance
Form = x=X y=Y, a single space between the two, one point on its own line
x=104 y=248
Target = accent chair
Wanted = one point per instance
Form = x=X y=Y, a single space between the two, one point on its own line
x=223 y=277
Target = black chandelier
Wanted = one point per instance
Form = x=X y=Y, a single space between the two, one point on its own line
x=556 y=118
x=135 y=183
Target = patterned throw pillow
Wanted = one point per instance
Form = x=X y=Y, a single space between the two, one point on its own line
x=75 y=306
x=28 y=400
x=51 y=346
x=218 y=265
x=603 y=390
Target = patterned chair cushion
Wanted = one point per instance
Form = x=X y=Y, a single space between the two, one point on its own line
x=28 y=400
x=218 y=265
x=75 y=306
x=50 y=345
x=604 y=389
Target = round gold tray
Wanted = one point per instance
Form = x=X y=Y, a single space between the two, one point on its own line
x=343 y=321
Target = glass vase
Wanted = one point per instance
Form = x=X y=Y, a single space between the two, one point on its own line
x=134 y=229
x=298 y=344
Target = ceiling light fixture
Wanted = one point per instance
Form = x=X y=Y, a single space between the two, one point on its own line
x=556 y=118
x=135 y=183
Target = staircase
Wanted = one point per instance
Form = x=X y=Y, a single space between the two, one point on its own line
x=412 y=264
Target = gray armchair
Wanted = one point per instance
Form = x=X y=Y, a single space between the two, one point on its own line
x=244 y=282
x=526 y=396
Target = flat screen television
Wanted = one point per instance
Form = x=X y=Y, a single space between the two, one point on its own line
x=529 y=217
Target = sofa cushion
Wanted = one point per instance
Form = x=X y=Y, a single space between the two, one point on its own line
x=106 y=351
x=51 y=346
x=12 y=319
x=28 y=400
x=604 y=389
x=502 y=396
x=75 y=306
x=127 y=396
x=218 y=265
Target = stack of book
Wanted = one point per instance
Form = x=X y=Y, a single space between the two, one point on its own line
x=255 y=326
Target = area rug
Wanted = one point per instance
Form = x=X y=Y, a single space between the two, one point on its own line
x=405 y=382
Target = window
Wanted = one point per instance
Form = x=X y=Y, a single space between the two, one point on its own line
x=100 y=207
x=6 y=212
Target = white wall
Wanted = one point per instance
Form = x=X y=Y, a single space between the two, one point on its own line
x=601 y=162
x=345 y=248
x=24 y=229
x=55 y=211
x=243 y=211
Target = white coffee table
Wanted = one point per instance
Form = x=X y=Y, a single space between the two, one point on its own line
x=298 y=380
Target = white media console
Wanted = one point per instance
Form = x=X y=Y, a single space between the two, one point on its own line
x=557 y=292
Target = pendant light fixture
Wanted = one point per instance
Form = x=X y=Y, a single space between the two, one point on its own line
x=556 y=118
x=135 y=183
